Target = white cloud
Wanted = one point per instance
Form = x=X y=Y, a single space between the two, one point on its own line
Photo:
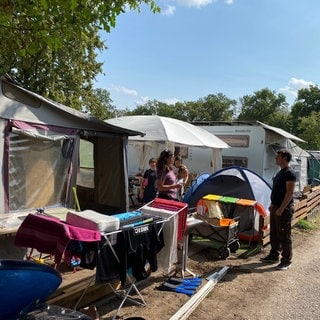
x=125 y=91
x=195 y=3
x=294 y=85
x=169 y=11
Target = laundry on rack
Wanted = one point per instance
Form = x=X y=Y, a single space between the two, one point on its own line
x=135 y=247
x=50 y=235
x=107 y=262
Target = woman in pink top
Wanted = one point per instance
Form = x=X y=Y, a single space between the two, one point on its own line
x=166 y=178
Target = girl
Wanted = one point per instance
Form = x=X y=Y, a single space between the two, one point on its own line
x=182 y=178
x=166 y=179
x=148 y=187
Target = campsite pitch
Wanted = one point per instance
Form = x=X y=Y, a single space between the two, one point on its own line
x=250 y=290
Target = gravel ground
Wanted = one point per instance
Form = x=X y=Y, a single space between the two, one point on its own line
x=250 y=290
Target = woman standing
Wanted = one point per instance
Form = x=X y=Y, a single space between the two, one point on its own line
x=148 y=186
x=166 y=179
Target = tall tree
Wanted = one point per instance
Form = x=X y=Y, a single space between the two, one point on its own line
x=217 y=107
x=266 y=106
x=104 y=109
x=155 y=107
x=51 y=46
x=212 y=107
x=309 y=128
x=307 y=101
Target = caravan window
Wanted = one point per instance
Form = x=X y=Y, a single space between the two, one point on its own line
x=234 y=161
x=86 y=173
x=235 y=141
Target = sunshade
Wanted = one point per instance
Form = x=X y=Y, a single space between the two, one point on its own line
x=163 y=129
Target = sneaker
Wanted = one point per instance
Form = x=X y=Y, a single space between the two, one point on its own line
x=284 y=266
x=269 y=259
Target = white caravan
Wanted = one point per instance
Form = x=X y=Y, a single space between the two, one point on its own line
x=253 y=146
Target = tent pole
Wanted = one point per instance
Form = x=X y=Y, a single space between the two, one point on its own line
x=185 y=311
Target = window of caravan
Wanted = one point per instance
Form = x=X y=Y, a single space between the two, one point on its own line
x=183 y=152
x=39 y=164
x=234 y=161
x=236 y=141
x=85 y=176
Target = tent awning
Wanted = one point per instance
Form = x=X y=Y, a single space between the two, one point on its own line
x=163 y=129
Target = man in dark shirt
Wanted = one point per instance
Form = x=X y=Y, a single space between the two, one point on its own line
x=281 y=212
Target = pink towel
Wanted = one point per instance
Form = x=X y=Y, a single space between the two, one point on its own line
x=175 y=206
x=50 y=235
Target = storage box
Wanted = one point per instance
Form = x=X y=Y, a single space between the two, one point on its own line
x=93 y=220
x=226 y=222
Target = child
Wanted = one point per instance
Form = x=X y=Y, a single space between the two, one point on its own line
x=182 y=178
x=148 y=188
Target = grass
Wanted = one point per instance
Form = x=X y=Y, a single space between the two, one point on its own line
x=305 y=225
x=309 y=225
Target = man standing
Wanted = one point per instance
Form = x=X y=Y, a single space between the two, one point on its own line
x=281 y=212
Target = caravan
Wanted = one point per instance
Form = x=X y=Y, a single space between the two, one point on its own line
x=253 y=146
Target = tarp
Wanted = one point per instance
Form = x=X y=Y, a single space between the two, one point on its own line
x=40 y=153
x=238 y=183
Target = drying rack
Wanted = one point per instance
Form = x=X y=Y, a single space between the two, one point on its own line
x=124 y=293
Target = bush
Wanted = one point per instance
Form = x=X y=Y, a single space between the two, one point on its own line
x=306 y=225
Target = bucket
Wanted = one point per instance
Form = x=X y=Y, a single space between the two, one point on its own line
x=24 y=285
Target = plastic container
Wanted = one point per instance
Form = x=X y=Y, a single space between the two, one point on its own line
x=226 y=222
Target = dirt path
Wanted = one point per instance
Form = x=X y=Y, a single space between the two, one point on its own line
x=250 y=290
x=266 y=293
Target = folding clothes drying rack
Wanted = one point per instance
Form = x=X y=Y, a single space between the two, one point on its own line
x=124 y=294
x=50 y=235
x=173 y=232
x=175 y=207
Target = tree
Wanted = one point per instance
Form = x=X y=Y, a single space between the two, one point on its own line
x=104 y=109
x=155 y=107
x=309 y=128
x=216 y=107
x=50 y=46
x=212 y=107
x=265 y=106
x=307 y=101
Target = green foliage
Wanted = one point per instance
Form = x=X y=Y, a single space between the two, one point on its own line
x=212 y=107
x=265 y=106
x=217 y=108
x=305 y=225
x=51 y=46
x=104 y=108
x=309 y=130
x=307 y=102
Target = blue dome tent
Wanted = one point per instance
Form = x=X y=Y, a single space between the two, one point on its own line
x=236 y=182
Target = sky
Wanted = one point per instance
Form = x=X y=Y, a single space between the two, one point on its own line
x=194 y=48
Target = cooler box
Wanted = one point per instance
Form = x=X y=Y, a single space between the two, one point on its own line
x=93 y=220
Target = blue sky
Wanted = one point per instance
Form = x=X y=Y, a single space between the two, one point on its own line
x=194 y=48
